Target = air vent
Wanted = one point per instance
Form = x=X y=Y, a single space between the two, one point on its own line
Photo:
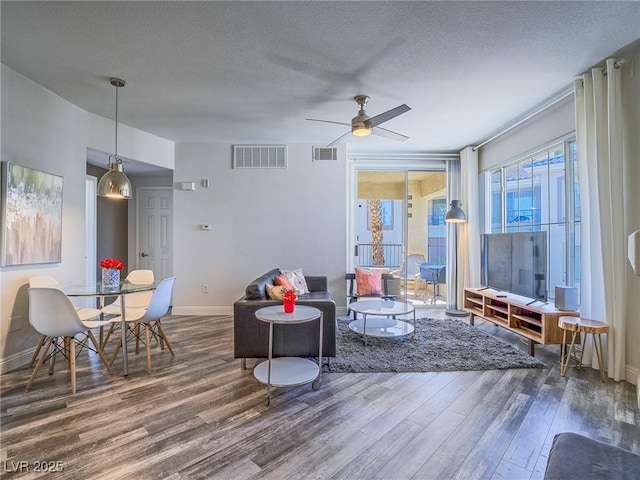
x=325 y=153
x=259 y=156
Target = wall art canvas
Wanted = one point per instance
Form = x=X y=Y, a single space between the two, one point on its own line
x=31 y=216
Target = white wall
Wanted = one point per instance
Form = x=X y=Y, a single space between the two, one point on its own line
x=43 y=131
x=262 y=219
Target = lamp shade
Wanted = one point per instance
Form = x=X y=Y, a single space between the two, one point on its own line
x=455 y=214
x=114 y=183
x=360 y=130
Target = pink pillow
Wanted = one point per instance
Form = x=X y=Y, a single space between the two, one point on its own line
x=283 y=281
x=369 y=283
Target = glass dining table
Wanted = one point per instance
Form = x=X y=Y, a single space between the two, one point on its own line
x=97 y=289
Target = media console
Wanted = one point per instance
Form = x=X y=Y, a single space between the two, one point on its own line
x=536 y=321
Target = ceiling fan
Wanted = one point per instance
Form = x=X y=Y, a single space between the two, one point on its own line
x=363 y=125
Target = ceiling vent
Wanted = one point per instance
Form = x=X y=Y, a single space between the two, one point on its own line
x=325 y=153
x=259 y=156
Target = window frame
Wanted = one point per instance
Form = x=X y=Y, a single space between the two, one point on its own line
x=569 y=198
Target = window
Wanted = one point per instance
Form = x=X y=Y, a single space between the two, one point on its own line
x=534 y=194
x=436 y=232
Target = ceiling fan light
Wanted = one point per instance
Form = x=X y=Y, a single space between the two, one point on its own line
x=114 y=183
x=360 y=130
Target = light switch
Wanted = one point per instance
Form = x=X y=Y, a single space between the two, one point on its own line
x=205 y=226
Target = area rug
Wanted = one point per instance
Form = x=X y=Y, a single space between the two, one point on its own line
x=438 y=346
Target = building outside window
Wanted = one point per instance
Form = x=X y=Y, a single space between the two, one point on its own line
x=539 y=192
x=436 y=232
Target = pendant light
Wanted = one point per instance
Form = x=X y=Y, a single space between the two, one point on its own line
x=114 y=183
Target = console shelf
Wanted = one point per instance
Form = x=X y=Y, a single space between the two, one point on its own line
x=537 y=322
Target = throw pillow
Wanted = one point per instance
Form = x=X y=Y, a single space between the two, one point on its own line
x=275 y=292
x=282 y=281
x=296 y=278
x=369 y=283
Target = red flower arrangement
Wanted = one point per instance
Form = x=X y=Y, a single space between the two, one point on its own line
x=289 y=301
x=112 y=263
x=290 y=296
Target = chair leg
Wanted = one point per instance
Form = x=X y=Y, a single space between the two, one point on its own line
x=96 y=345
x=164 y=337
x=106 y=337
x=137 y=334
x=147 y=339
x=67 y=342
x=161 y=339
x=39 y=364
x=115 y=354
x=37 y=350
x=52 y=363
x=72 y=362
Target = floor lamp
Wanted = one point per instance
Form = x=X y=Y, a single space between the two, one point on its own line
x=455 y=215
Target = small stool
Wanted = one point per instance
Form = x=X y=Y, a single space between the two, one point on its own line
x=584 y=326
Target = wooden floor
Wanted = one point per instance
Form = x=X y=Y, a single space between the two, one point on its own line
x=198 y=415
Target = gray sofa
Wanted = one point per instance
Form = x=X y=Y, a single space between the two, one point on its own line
x=251 y=336
x=574 y=456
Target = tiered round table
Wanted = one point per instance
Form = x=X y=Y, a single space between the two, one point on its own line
x=384 y=323
x=288 y=371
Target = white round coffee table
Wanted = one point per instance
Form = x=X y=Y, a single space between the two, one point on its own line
x=288 y=371
x=384 y=323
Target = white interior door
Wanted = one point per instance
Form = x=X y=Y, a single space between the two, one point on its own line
x=155 y=230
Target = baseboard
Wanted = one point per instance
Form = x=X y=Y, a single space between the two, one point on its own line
x=16 y=361
x=201 y=310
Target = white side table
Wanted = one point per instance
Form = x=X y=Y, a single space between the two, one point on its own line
x=288 y=371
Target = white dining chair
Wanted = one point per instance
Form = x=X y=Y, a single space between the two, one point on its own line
x=136 y=302
x=53 y=315
x=149 y=319
x=136 y=299
x=47 y=281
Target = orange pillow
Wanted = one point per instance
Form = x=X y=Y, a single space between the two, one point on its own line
x=283 y=281
x=369 y=283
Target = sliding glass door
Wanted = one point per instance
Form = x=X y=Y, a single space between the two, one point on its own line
x=399 y=229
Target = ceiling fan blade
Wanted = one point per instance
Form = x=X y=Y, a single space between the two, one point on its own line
x=327 y=121
x=388 y=115
x=337 y=140
x=383 y=132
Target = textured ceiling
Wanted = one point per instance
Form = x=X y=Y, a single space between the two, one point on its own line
x=251 y=72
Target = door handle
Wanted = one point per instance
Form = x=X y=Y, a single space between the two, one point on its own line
x=144 y=254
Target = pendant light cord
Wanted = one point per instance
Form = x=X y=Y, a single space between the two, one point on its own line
x=116 y=151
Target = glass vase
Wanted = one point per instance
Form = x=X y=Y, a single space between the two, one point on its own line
x=289 y=306
x=111 y=277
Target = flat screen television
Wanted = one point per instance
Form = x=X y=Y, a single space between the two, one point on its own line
x=516 y=263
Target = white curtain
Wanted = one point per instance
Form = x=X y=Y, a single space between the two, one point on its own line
x=469 y=252
x=453 y=193
x=462 y=184
x=601 y=162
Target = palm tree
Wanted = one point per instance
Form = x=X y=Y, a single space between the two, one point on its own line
x=375 y=225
